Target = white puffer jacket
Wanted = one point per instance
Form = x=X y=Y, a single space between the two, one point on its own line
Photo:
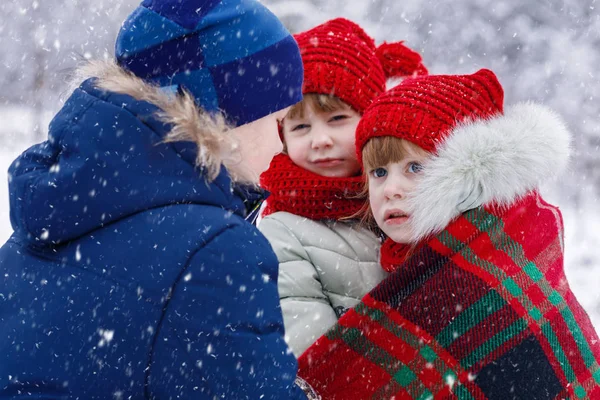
x=325 y=268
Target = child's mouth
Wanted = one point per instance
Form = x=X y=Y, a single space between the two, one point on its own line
x=328 y=162
x=395 y=218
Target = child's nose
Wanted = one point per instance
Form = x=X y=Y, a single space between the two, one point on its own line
x=393 y=189
x=320 y=139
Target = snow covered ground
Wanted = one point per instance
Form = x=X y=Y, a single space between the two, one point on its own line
x=582 y=225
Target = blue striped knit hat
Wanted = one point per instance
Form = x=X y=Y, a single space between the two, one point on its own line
x=232 y=55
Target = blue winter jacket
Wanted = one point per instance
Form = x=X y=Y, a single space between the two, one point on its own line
x=130 y=277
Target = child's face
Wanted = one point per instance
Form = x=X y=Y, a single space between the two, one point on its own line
x=388 y=188
x=323 y=142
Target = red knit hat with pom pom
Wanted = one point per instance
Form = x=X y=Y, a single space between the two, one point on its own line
x=423 y=110
x=340 y=59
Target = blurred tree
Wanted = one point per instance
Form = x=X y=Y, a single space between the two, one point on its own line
x=42 y=41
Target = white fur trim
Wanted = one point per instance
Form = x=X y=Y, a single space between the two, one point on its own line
x=489 y=161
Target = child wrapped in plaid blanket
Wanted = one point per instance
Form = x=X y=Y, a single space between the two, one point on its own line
x=477 y=305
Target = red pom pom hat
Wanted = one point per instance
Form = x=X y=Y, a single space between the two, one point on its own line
x=423 y=110
x=341 y=59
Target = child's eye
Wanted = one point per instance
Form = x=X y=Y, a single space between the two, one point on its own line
x=379 y=172
x=415 y=167
x=338 y=118
x=300 y=127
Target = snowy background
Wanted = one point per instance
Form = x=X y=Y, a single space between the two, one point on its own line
x=546 y=51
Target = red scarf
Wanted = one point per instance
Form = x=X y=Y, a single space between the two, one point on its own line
x=393 y=254
x=301 y=192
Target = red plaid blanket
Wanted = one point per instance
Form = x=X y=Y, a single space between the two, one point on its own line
x=480 y=311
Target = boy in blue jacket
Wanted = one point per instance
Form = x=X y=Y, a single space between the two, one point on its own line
x=132 y=272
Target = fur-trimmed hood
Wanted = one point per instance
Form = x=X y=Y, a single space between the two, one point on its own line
x=119 y=147
x=188 y=122
x=494 y=161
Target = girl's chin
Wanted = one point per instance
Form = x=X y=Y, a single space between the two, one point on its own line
x=398 y=237
x=331 y=173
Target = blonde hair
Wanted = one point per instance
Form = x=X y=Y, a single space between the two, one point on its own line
x=383 y=150
x=378 y=152
x=317 y=102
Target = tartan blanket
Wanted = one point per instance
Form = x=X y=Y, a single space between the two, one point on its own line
x=481 y=310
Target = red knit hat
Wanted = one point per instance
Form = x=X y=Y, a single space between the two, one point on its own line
x=340 y=59
x=423 y=110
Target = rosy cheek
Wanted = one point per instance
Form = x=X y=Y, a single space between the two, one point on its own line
x=373 y=200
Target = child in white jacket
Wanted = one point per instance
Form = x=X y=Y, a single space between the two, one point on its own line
x=328 y=262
